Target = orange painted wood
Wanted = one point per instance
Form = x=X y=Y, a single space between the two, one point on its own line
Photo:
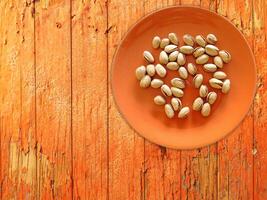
x=89 y=101
x=260 y=142
x=235 y=159
x=17 y=101
x=126 y=147
x=53 y=106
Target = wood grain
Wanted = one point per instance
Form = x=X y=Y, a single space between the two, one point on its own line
x=53 y=106
x=17 y=101
x=260 y=142
x=126 y=148
x=235 y=159
x=89 y=101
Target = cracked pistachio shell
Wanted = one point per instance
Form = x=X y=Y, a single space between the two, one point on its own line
x=206 y=109
x=170 y=48
x=220 y=75
x=211 y=97
x=173 y=56
x=203 y=91
x=177 y=92
x=156 y=83
x=156 y=42
x=188 y=40
x=215 y=83
x=181 y=59
x=209 y=67
x=178 y=82
x=200 y=40
x=211 y=38
x=198 y=80
x=197 y=104
x=166 y=90
x=202 y=59
x=226 y=86
x=163 y=58
x=192 y=69
x=184 y=112
x=176 y=103
x=150 y=70
x=172 y=65
x=140 y=72
x=159 y=100
x=186 y=49
x=225 y=56
x=218 y=61
x=164 y=42
x=173 y=38
x=211 y=50
x=145 y=81
x=148 y=57
x=160 y=70
x=198 y=51
x=169 y=111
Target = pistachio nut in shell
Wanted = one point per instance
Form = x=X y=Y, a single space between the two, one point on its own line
x=145 y=81
x=202 y=59
x=203 y=91
x=169 y=111
x=173 y=38
x=200 y=40
x=206 y=109
x=148 y=57
x=166 y=90
x=192 y=69
x=140 y=72
x=198 y=80
x=226 y=86
x=164 y=42
x=172 y=65
x=211 y=38
x=197 y=104
x=225 y=56
x=159 y=100
x=215 y=83
x=211 y=97
x=156 y=83
x=156 y=42
x=198 y=51
x=150 y=70
x=181 y=59
x=188 y=40
x=177 y=92
x=163 y=58
x=211 y=50
x=218 y=61
x=183 y=72
x=178 y=82
x=173 y=56
x=170 y=48
x=160 y=70
x=176 y=103
x=184 y=112
x=220 y=75
x=210 y=67
x=186 y=49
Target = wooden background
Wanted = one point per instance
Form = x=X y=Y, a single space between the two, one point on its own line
x=61 y=136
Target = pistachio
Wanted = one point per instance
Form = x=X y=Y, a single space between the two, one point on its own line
x=161 y=71
x=198 y=52
x=186 y=49
x=176 y=103
x=215 y=83
x=150 y=69
x=202 y=59
x=197 y=104
x=211 y=38
x=181 y=59
x=156 y=42
x=148 y=57
x=218 y=61
x=156 y=83
x=169 y=111
x=203 y=91
x=173 y=56
x=183 y=72
x=209 y=67
x=220 y=75
x=188 y=40
x=211 y=50
x=172 y=65
x=140 y=72
x=177 y=82
x=164 y=42
x=226 y=56
x=173 y=38
x=183 y=112
x=163 y=58
x=192 y=69
x=177 y=92
x=170 y=48
x=198 y=80
x=145 y=81
x=200 y=40
x=205 y=111
x=166 y=90
x=159 y=100
x=211 y=97
x=226 y=86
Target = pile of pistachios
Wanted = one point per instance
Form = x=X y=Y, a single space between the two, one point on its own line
x=173 y=57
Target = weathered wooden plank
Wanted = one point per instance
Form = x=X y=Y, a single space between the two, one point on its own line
x=53 y=105
x=199 y=167
x=126 y=148
x=17 y=101
x=89 y=102
x=235 y=161
x=260 y=142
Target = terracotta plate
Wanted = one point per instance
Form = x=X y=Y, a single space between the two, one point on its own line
x=136 y=104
